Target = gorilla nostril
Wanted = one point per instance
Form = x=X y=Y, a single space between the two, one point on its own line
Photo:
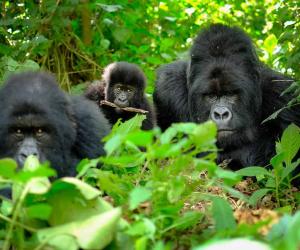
x=221 y=114
x=225 y=115
x=216 y=116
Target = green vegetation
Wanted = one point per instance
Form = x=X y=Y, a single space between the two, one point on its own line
x=152 y=191
x=169 y=198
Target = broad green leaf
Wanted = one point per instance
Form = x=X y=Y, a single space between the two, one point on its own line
x=222 y=214
x=41 y=171
x=290 y=142
x=140 y=138
x=95 y=232
x=137 y=196
x=39 y=185
x=87 y=191
x=63 y=242
x=39 y=211
x=8 y=168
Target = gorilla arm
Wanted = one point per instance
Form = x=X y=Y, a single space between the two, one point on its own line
x=91 y=126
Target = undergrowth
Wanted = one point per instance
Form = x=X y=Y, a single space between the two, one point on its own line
x=153 y=190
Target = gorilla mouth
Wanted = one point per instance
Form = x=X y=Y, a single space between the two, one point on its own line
x=224 y=133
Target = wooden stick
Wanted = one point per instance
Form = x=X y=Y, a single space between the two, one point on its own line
x=128 y=109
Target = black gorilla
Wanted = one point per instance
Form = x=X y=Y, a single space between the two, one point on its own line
x=124 y=85
x=37 y=118
x=224 y=81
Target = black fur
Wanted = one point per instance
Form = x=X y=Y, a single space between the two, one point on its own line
x=74 y=125
x=127 y=74
x=224 y=62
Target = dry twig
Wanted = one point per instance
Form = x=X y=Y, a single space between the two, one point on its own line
x=128 y=109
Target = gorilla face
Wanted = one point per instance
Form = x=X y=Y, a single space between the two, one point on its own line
x=125 y=84
x=31 y=133
x=37 y=118
x=224 y=86
x=122 y=95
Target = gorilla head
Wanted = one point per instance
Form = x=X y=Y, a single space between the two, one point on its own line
x=37 y=118
x=223 y=82
x=125 y=84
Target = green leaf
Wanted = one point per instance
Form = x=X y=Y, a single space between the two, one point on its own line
x=292 y=237
x=6 y=207
x=290 y=142
x=8 y=168
x=143 y=227
x=87 y=191
x=257 y=195
x=253 y=171
x=63 y=242
x=137 y=196
x=205 y=133
x=188 y=219
x=39 y=185
x=39 y=211
x=95 y=232
x=229 y=177
x=141 y=243
x=140 y=138
x=176 y=189
x=222 y=214
x=69 y=205
x=113 y=144
x=270 y=43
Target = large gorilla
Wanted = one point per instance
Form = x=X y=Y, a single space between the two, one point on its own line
x=124 y=85
x=37 y=118
x=224 y=81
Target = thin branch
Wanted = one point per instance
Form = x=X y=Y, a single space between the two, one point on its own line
x=129 y=109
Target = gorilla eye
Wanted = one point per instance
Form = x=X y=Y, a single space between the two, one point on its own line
x=18 y=132
x=39 y=132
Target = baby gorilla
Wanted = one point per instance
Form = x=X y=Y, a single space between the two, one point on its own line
x=37 y=118
x=124 y=85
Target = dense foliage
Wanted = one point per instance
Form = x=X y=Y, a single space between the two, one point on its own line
x=151 y=192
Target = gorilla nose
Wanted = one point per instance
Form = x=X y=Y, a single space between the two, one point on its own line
x=221 y=115
x=23 y=154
